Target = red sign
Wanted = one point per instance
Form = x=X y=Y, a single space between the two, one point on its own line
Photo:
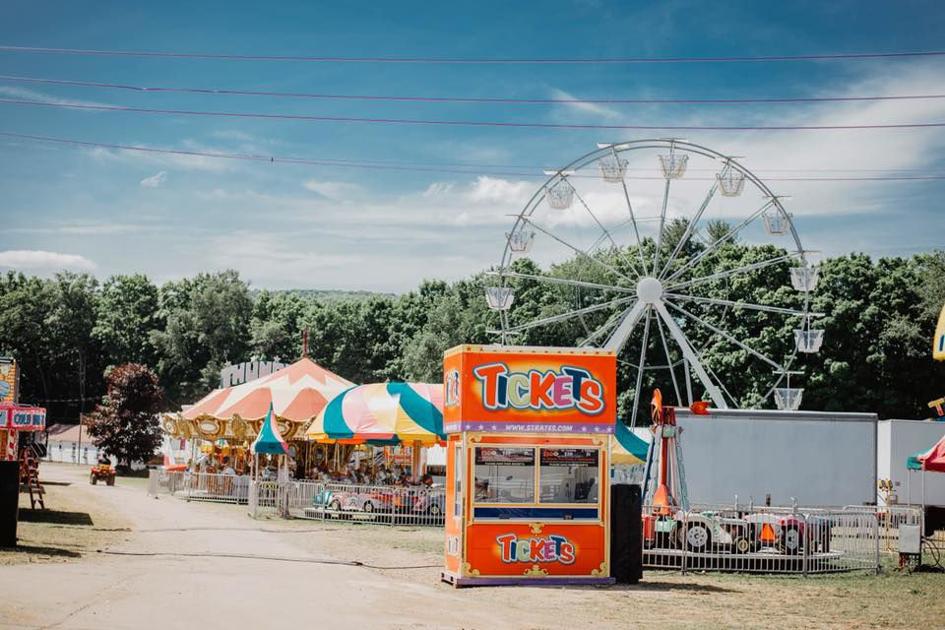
x=22 y=418
x=533 y=390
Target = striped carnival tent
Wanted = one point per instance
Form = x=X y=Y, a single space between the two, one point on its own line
x=296 y=393
x=626 y=448
x=382 y=413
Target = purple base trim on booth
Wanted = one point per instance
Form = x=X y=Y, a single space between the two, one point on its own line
x=459 y=582
x=526 y=427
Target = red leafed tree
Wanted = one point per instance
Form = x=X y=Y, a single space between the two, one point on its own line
x=125 y=425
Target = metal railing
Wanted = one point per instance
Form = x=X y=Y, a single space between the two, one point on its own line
x=219 y=488
x=327 y=501
x=384 y=505
x=762 y=540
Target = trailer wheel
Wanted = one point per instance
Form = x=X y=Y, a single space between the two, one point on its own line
x=695 y=537
x=741 y=545
x=791 y=540
x=368 y=507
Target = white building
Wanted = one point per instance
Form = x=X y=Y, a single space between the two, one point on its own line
x=70 y=443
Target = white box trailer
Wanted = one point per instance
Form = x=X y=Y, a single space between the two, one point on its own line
x=818 y=458
x=896 y=441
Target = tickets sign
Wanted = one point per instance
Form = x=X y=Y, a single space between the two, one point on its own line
x=523 y=389
x=536 y=549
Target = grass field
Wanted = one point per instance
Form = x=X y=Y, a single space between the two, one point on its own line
x=75 y=524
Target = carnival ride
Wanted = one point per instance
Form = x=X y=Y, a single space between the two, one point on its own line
x=673 y=524
x=641 y=257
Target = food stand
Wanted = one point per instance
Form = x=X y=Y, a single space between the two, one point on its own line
x=527 y=478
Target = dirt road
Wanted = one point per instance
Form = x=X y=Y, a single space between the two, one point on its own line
x=209 y=582
x=205 y=566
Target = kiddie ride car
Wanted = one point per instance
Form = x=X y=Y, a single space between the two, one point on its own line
x=736 y=532
x=430 y=503
x=367 y=501
x=102 y=472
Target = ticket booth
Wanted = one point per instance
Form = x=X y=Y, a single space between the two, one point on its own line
x=527 y=465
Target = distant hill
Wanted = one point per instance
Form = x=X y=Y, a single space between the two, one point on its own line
x=327 y=295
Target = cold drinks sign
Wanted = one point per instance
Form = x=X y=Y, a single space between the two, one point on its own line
x=529 y=390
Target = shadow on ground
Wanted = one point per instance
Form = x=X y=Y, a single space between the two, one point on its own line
x=675 y=586
x=55 y=516
x=42 y=551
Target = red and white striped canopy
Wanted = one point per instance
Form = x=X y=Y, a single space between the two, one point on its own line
x=297 y=393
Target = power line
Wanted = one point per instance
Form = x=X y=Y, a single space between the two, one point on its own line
x=475 y=60
x=403 y=167
x=462 y=123
x=469 y=99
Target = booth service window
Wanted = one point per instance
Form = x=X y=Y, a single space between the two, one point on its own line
x=568 y=475
x=507 y=475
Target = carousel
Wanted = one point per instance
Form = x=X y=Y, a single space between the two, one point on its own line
x=225 y=421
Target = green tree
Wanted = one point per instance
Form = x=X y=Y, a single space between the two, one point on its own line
x=126 y=315
x=125 y=424
x=207 y=326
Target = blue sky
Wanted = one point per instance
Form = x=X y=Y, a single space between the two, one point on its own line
x=282 y=226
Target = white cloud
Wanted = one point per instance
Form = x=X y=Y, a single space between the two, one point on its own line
x=497 y=190
x=27 y=94
x=37 y=260
x=332 y=190
x=155 y=181
x=574 y=104
x=175 y=161
x=87 y=229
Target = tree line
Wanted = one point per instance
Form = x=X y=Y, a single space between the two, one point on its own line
x=65 y=331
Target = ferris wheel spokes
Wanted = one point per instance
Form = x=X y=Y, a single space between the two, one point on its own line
x=578 y=250
x=565 y=281
x=732 y=272
x=607 y=234
x=640 y=366
x=711 y=388
x=690 y=226
x=636 y=228
x=748 y=305
x=619 y=337
x=728 y=337
x=669 y=361
x=554 y=319
x=720 y=240
x=600 y=332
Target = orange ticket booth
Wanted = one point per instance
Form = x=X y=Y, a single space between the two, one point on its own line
x=528 y=457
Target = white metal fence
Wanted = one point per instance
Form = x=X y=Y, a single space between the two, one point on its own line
x=214 y=487
x=386 y=505
x=762 y=540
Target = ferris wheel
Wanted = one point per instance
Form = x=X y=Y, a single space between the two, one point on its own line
x=642 y=248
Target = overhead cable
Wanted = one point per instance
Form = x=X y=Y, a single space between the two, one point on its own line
x=464 y=170
x=469 y=99
x=416 y=59
x=458 y=123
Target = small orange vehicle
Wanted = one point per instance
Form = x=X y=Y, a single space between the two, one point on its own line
x=104 y=472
